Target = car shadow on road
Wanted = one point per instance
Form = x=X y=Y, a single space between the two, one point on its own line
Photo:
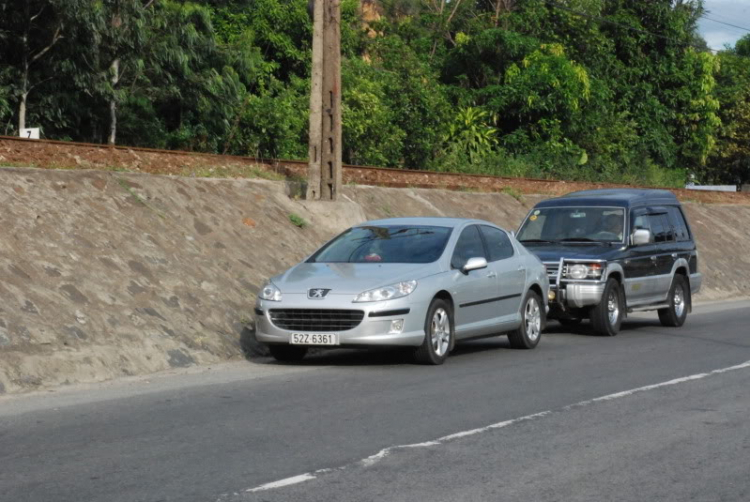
x=387 y=356
x=585 y=328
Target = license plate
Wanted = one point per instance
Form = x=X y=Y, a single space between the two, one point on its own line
x=314 y=339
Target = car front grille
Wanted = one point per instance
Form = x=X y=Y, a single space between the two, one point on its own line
x=316 y=320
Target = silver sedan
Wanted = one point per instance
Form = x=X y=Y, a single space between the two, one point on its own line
x=424 y=283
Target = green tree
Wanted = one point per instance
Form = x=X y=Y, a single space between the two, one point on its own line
x=31 y=33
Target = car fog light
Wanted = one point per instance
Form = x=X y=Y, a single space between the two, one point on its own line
x=551 y=295
x=397 y=326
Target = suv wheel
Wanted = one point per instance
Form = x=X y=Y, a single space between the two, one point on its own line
x=438 y=329
x=606 y=317
x=532 y=322
x=674 y=316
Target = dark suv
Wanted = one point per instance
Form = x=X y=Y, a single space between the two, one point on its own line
x=610 y=252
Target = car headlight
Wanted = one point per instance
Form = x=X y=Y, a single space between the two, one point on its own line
x=584 y=271
x=271 y=293
x=387 y=293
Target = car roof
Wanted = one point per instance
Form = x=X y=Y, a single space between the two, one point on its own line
x=432 y=221
x=619 y=197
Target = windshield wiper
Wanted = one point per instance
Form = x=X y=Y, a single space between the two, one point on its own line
x=544 y=241
x=584 y=240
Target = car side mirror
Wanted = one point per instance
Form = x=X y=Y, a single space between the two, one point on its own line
x=641 y=236
x=474 y=264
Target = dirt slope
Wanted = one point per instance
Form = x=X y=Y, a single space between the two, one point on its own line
x=104 y=274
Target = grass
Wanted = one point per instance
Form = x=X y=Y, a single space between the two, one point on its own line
x=297 y=220
x=235 y=171
x=513 y=193
x=125 y=186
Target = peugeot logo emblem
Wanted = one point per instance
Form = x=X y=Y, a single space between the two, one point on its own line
x=317 y=294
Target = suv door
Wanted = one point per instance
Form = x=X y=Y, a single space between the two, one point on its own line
x=474 y=293
x=664 y=237
x=640 y=265
x=511 y=276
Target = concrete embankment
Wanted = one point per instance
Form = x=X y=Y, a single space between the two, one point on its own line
x=111 y=274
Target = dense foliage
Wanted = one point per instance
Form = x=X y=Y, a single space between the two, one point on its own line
x=617 y=90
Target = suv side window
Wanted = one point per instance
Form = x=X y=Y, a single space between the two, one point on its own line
x=469 y=245
x=678 y=221
x=640 y=220
x=499 y=246
x=661 y=227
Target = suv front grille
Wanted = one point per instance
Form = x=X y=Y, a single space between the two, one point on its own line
x=316 y=319
x=552 y=268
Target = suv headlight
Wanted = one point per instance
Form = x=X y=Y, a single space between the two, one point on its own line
x=387 y=293
x=579 y=271
x=270 y=292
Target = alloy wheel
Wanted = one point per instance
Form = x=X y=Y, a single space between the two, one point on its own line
x=533 y=319
x=440 y=332
x=613 y=308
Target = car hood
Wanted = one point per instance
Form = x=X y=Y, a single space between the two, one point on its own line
x=349 y=278
x=551 y=252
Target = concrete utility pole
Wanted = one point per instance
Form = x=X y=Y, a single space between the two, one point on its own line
x=324 y=168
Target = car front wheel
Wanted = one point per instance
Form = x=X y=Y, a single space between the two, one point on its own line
x=674 y=316
x=438 y=329
x=606 y=317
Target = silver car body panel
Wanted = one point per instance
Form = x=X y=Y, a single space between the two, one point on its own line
x=485 y=301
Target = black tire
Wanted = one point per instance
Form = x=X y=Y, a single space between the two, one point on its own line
x=570 y=323
x=613 y=298
x=533 y=319
x=287 y=353
x=679 y=303
x=437 y=344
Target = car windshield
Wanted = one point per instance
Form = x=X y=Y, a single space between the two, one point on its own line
x=385 y=244
x=573 y=224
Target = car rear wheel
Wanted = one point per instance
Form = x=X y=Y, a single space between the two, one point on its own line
x=606 y=318
x=529 y=333
x=439 y=332
x=287 y=353
x=674 y=316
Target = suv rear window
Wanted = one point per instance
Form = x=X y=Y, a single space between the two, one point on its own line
x=680 y=226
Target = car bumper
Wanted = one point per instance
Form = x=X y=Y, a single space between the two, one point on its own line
x=578 y=295
x=373 y=330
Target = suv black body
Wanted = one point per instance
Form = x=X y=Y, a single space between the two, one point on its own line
x=610 y=252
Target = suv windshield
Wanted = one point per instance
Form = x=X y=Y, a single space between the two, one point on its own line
x=385 y=244
x=574 y=224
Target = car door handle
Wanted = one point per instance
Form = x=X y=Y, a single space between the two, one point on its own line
x=491 y=275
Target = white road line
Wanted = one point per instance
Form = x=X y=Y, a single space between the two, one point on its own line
x=282 y=482
x=374 y=459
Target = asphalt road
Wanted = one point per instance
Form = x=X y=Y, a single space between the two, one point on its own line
x=491 y=424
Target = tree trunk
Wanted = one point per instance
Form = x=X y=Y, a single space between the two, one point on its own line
x=115 y=70
x=22 y=112
x=24 y=88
